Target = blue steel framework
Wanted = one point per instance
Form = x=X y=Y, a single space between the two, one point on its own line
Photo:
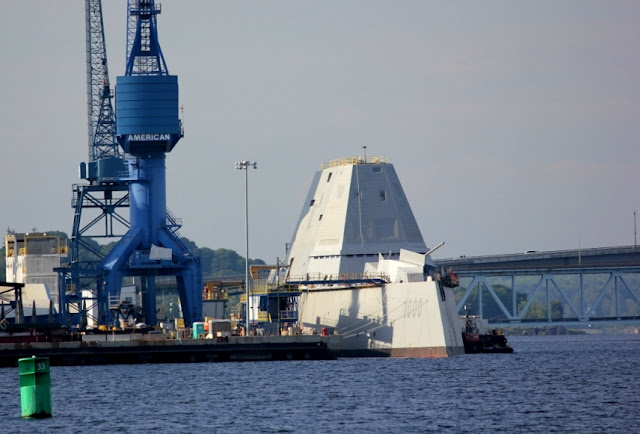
x=148 y=127
x=612 y=275
x=106 y=195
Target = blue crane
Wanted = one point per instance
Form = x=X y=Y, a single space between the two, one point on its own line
x=146 y=126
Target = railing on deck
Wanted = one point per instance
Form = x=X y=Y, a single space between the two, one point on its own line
x=355 y=160
x=289 y=315
x=259 y=287
x=356 y=278
x=285 y=315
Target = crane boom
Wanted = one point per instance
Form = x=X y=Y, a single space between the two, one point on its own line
x=102 y=124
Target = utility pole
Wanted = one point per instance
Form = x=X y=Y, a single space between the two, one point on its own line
x=244 y=165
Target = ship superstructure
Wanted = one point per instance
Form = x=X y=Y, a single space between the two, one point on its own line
x=364 y=270
x=355 y=209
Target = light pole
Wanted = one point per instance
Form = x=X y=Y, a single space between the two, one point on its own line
x=244 y=165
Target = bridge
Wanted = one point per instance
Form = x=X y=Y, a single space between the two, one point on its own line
x=543 y=288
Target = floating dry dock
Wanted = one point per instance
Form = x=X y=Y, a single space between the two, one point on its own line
x=109 y=349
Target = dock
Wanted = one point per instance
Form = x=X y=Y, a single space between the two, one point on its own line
x=113 y=349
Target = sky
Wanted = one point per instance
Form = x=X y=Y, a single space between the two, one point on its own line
x=512 y=126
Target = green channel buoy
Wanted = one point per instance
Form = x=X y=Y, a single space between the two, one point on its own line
x=35 y=387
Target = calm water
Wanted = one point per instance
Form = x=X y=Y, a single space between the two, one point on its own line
x=586 y=384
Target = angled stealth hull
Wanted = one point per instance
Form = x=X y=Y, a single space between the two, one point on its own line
x=364 y=268
x=398 y=320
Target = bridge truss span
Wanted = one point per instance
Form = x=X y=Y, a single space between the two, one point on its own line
x=534 y=290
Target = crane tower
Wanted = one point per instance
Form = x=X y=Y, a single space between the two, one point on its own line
x=147 y=128
x=132 y=174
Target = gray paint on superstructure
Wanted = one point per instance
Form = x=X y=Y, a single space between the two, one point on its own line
x=353 y=212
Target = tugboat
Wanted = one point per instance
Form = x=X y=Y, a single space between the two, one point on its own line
x=476 y=342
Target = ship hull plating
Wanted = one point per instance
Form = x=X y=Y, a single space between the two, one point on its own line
x=413 y=319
